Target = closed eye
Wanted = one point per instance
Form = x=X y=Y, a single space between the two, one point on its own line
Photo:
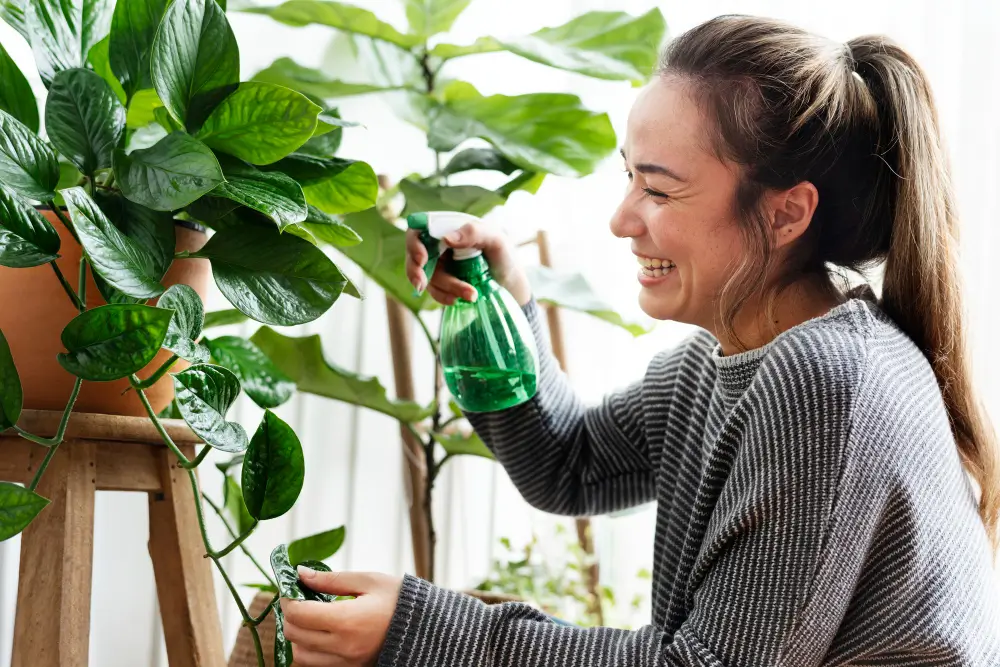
x=653 y=193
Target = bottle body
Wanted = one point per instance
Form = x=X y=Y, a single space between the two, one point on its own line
x=488 y=352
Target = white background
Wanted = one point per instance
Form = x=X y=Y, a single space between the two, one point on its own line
x=353 y=457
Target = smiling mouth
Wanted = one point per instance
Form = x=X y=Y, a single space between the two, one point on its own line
x=655 y=268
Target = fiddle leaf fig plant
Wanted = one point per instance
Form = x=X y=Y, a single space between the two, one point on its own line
x=147 y=126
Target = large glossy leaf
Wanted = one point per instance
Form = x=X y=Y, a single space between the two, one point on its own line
x=126 y=265
x=333 y=185
x=195 y=61
x=272 y=277
x=286 y=72
x=111 y=342
x=260 y=122
x=133 y=28
x=12 y=13
x=272 y=193
x=232 y=498
x=100 y=61
x=571 y=290
x=429 y=17
x=283 y=653
x=459 y=444
x=327 y=143
x=479 y=158
x=221 y=318
x=16 y=97
x=18 y=507
x=330 y=229
x=337 y=15
x=382 y=255
x=176 y=171
x=204 y=395
x=62 y=32
x=273 y=470
x=11 y=398
x=28 y=166
x=26 y=237
x=548 y=132
x=153 y=231
x=317 y=547
x=142 y=109
x=186 y=324
x=481 y=45
x=470 y=199
x=285 y=574
x=303 y=361
x=267 y=386
x=84 y=119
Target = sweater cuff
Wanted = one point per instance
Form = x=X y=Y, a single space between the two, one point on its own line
x=410 y=606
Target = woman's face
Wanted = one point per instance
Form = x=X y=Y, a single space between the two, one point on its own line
x=678 y=207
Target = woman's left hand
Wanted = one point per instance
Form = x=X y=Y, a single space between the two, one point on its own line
x=348 y=633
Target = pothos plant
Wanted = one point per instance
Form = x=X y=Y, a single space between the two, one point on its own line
x=514 y=140
x=147 y=123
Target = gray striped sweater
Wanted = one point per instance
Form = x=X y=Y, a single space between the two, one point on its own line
x=812 y=510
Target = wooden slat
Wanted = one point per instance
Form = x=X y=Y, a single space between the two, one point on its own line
x=121 y=466
x=52 y=628
x=90 y=426
x=16 y=459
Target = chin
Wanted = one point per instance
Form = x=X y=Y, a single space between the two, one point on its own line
x=660 y=308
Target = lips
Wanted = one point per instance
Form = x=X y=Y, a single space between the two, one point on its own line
x=655 y=267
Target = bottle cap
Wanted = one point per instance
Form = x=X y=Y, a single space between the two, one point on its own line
x=434 y=226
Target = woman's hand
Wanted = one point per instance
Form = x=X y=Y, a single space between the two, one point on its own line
x=497 y=249
x=348 y=633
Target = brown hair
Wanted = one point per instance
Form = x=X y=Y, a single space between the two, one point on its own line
x=858 y=121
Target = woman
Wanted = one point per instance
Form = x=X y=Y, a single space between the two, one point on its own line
x=806 y=450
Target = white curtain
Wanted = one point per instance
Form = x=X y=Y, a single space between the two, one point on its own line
x=354 y=466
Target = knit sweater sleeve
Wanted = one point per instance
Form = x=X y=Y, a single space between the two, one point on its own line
x=772 y=580
x=569 y=459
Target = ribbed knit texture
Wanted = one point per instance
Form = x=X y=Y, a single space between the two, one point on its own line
x=812 y=510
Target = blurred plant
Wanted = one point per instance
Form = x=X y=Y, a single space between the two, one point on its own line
x=559 y=588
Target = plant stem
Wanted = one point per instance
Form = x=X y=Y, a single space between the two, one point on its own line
x=430 y=338
x=82 y=284
x=62 y=217
x=237 y=542
x=256 y=645
x=58 y=437
x=160 y=372
x=184 y=461
x=66 y=286
x=243 y=547
x=61 y=431
x=201 y=456
x=257 y=620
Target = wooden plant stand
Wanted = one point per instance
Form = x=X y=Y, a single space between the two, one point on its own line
x=107 y=453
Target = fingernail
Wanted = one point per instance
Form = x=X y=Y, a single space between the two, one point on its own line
x=473 y=296
x=454 y=237
x=306 y=573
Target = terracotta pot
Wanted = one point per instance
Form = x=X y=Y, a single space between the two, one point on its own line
x=36 y=309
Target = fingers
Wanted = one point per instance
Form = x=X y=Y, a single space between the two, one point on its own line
x=315 y=640
x=310 y=614
x=305 y=657
x=416 y=258
x=338 y=583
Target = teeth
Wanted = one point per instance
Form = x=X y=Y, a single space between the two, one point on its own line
x=650 y=263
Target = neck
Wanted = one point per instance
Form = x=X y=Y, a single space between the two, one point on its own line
x=755 y=326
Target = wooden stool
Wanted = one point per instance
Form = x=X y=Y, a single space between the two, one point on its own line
x=107 y=453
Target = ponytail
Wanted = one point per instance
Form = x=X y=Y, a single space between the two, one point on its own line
x=922 y=285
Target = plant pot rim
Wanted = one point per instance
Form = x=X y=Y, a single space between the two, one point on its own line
x=189 y=224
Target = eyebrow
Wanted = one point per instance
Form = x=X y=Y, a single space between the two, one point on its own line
x=646 y=168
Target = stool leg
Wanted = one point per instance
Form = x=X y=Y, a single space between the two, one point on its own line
x=52 y=628
x=184 y=583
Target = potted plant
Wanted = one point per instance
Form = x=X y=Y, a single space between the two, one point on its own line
x=150 y=140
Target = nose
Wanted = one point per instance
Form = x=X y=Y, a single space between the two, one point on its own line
x=626 y=222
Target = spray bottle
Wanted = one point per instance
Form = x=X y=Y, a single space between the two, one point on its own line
x=488 y=351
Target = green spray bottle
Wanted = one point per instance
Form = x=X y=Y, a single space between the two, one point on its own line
x=488 y=352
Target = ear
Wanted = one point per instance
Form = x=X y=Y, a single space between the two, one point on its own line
x=793 y=211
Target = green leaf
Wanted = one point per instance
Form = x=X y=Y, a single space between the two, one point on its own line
x=260 y=123
x=204 y=395
x=99 y=60
x=283 y=652
x=429 y=17
x=470 y=199
x=273 y=470
x=221 y=318
x=126 y=265
x=62 y=32
x=302 y=360
x=18 y=507
x=28 y=166
x=232 y=498
x=339 y=15
x=571 y=290
x=318 y=566
x=458 y=444
x=285 y=574
x=267 y=588
x=176 y=171
x=12 y=13
x=330 y=229
x=16 y=97
x=195 y=62
x=11 y=398
x=328 y=143
x=317 y=547
x=267 y=386
x=272 y=277
x=165 y=120
x=234 y=462
x=479 y=158
x=481 y=45
x=142 y=109
x=286 y=72
x=548 y=132
x=26 y=238
x=133 y=28
x=111 y=342
x=151 y=230
x=333 y=185
x=272 y=193
x=84 y=119
x=186 y=324
x=382 y=255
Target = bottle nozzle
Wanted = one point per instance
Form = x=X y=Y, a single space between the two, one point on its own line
x=434 y=226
